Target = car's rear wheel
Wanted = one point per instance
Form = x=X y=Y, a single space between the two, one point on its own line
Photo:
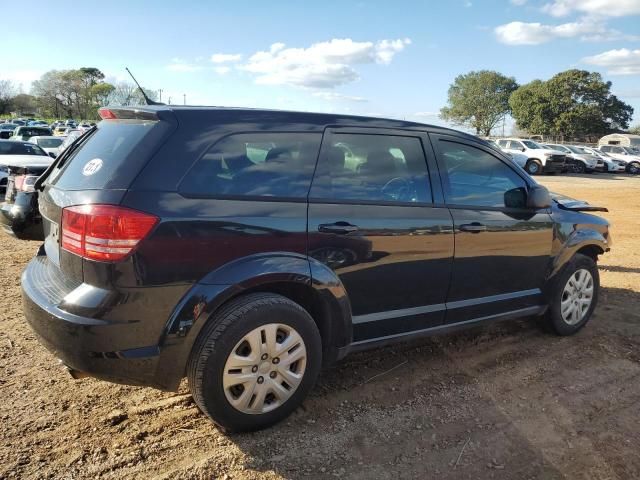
x=254 y=362
x=533 y=167
x=574 y=296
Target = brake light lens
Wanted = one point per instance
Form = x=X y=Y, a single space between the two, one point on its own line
x=105 y=233
x=106 y=114
x=25 y=183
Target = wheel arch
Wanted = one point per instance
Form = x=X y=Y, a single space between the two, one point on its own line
x=296 y=277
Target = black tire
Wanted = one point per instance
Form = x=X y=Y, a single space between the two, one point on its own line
x=218 y=338
x=633 y=168
x=553 y=318
x=533 y=167
x=579 y=167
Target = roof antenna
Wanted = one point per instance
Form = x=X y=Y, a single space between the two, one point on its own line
x=144 y=95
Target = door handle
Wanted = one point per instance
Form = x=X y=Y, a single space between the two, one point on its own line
x=341 y=228
x=474 y=227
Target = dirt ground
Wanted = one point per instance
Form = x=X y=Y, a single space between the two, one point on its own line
x=502 y=401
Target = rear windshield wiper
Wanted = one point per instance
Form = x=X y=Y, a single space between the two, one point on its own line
x=59 y=162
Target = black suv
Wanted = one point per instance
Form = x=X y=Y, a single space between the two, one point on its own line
x=244 y=249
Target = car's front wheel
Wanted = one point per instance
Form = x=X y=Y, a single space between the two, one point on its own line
x=579 y=167
x=574 y=296
x=533 y=167
x=633 y=168
x=254 y=362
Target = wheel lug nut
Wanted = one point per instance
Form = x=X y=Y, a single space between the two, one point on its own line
x=264 y=356
x=254 y=369
x=276 y=360
x=260 y=379
x=273 y=374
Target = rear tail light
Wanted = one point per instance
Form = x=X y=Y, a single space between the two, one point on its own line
x=25 y=183
x=105 y=233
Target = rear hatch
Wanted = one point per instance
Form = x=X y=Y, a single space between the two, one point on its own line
x=97 y=170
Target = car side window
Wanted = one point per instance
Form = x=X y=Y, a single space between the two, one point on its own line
x=368 y=167
x=516 y=145
x=477 y=178
x=255 y=164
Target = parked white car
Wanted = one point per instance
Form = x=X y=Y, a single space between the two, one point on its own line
x=628 y=154
x=518 y=158
x=48 y=143
x=539 y=159
x=582 y=162
x=611 y=165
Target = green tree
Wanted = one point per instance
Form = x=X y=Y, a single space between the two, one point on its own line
x=7 y=92
x=572 y=103
x=479 y=100
x=635 y=130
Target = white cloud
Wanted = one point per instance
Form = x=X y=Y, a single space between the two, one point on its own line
x=605 y=8
x=588 y=29
x=322 y=65
x=226 y=57
x=222 y=70
x=332 y=96
x=617 y=62
x=179 y=65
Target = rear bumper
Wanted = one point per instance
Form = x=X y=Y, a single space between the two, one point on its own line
x=21 y=220
x=92 y=346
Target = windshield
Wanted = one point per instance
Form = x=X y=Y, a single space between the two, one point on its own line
x=17 y=148
x=631 y=150
x=49 y=142
x=531 y=144
x=576 y=149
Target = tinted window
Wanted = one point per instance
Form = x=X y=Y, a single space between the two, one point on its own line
x=475 y=177
x=49 y=142
x=373 y=168
x=262 y=164
x=110 y=157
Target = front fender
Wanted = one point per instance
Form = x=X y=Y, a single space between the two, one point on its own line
x=577 y=240
x=245 y=274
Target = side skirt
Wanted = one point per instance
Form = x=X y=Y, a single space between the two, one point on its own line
x=440 y=329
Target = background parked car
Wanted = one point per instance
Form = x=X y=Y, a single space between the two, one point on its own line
x=49 y=144
x=25 y=133
x=611 y=164
x=628 y=154
x=581 y=162
x=7 y=129
x=71 y=137
x=539 y=159
x=18 y=153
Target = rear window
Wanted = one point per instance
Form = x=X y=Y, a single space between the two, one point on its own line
x=111 y=157
x=16 y=148
x=49 y=142
x=255 y=164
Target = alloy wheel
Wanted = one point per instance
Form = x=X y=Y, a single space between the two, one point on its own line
x=577 y=297
x=264 y=369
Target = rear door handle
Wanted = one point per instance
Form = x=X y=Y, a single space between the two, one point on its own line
x=341 y=228
x=474 y=227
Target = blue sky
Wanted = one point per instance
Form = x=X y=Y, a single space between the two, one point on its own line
x=385 y=58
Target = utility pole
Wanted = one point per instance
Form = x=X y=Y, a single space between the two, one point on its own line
x=169 y=99
x=160 y=92
x=184 y=98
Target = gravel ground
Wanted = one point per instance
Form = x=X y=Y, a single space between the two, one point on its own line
x=501 y=401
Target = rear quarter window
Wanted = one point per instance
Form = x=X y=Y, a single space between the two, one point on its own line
x=111 y=157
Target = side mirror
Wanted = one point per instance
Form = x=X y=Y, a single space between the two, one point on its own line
x=522 y=149
x=538 y=198
x=52 y=155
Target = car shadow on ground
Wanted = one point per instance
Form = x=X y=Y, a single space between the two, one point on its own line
x=597 y=176
x=456 y=405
